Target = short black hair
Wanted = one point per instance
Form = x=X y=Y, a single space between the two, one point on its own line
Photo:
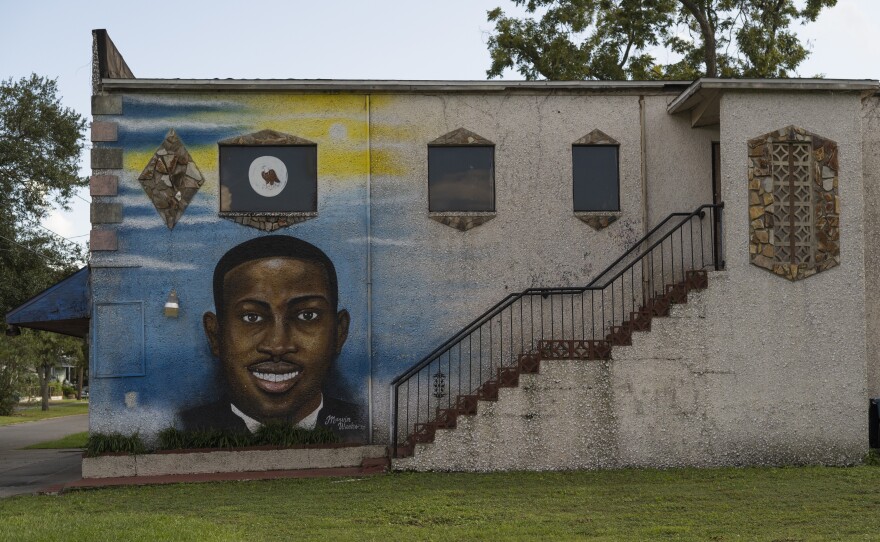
x=273 y=246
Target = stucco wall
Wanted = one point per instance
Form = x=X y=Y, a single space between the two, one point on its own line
x=871 y=168
x=679 y=161
x=426 y=280
x=430 y=280
x=798 y=349
x=679 y=396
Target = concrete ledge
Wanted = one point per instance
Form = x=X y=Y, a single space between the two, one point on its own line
x=109 y=466
x=228 y=461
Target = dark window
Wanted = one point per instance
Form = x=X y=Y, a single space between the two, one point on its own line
x=266 y=178
x=461 y=178
x=595 y=177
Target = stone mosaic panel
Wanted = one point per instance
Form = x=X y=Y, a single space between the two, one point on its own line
x=597 y=221
x=596 y=137
x=794 y=209
x=462 y=221
x=171 y=179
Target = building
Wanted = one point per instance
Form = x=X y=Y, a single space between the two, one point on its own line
x=440 y=205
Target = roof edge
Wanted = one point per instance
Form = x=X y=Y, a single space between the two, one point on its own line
x=402 y=86
x=686 y=99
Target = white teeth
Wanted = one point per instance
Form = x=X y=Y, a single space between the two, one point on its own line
x=271 y=377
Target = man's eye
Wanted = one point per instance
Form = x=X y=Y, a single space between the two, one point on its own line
x=252 y=318
x=307 y=316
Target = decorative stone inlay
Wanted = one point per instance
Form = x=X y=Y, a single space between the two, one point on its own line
x=268 y=221
x=274 y=220
x=794 y=209
x=103 y=240
x=103 y=185
x=106 y=105
x=597 y=221
x=462 y=220
x=266 y=137
x=106 y=158
x=105 y=213
x=104 y=131
x=596 y=137
x=461 y=136
x=171 y=179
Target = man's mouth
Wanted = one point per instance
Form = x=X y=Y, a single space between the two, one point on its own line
x=275 y=376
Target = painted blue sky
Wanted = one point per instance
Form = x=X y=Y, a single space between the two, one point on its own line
x=342 y=39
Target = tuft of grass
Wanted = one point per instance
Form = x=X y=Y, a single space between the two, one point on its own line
x=725 y=504
x=101 y=443
x=32 y=413
x=873 y=457
x=76 y=440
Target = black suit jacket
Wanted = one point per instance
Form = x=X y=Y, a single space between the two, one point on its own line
x=343 y=418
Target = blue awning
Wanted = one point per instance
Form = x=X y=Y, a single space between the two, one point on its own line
x=61 y=308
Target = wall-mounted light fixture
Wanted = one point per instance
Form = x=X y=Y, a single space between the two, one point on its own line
x=172 y=306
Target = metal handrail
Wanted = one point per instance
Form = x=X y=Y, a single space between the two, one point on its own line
x=593 y=286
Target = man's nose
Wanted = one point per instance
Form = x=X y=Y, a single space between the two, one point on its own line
x=280 y=339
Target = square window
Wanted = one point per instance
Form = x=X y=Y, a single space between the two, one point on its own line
x=595 y=176
x=461 y=178
x=268 y=178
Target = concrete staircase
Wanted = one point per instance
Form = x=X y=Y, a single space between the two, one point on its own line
x=583 y=404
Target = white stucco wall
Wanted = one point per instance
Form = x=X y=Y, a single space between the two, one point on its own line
x=798 y=348
x=535 y=239
x=760 y=370
x=678 y=160
x=871 y=168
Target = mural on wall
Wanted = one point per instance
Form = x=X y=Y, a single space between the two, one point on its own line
x=179 y=379
x=794 y=210
x=268 y=180
x=171 y=179
x=276 y=334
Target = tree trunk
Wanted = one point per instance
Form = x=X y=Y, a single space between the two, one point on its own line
x=79 y=383
x=709 y=43
x=44 y=385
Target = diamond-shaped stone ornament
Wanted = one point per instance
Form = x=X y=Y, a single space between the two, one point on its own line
x=171 y=179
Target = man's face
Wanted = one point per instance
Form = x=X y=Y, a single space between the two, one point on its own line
x=276 y=336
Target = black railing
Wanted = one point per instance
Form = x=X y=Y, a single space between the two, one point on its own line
x=591 y=315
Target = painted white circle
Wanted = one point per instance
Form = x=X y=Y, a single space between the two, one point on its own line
x=268 y=176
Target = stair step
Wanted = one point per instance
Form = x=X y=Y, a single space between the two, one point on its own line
x=659 y=305
x=529 y=363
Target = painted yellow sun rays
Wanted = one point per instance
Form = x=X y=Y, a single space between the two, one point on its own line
x=337 y=123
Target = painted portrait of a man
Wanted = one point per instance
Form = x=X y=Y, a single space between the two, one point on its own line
x=276 y=333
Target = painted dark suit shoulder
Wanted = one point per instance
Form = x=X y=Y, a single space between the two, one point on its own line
x=343 y=418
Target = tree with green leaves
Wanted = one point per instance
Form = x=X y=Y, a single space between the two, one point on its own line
x=612 y=39
x=40 y=146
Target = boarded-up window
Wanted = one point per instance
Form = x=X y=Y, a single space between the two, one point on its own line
x=461 y=178
x=595 y=177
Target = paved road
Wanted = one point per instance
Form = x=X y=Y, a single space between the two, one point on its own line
x=26 y=471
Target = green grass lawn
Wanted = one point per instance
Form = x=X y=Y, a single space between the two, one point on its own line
x=32 y=413
x=786 y=504
x=76 y=440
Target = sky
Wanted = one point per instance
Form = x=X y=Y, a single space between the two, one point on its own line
x=330 y=39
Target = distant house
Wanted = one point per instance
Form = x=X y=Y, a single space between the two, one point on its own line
x=688 y=266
